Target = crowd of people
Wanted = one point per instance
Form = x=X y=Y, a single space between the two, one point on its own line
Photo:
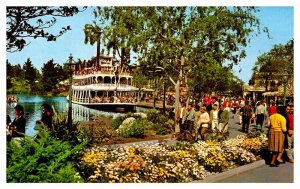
x=114 y=99
x=208 y=114
x=198 y=118
x=102 y=69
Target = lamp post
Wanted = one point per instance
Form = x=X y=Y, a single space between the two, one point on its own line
x=154 y=96
x=70 y=65
x=164 y=103
x=162 y=72
x=285 y=77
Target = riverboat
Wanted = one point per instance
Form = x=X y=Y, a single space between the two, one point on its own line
x=106 y=86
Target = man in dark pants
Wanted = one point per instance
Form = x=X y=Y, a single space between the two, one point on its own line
x=246 y=112
x=189 y=119
x=260 y=113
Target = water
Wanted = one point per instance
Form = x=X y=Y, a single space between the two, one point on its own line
x=32 y=110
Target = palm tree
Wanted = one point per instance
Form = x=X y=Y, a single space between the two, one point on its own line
x=93 y=34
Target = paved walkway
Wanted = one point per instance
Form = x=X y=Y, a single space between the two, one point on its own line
x=265 y=174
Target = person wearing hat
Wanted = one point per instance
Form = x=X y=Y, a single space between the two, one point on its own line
x=17 y=126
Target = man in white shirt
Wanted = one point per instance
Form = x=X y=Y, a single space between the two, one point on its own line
x=260 y=113
x=214 y=117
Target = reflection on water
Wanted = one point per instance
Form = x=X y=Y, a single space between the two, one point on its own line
x=82 y=113
x=32 y=110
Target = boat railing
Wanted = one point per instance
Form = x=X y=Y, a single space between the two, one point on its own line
x=103 y=100
x=106 y=85
x=101 y=72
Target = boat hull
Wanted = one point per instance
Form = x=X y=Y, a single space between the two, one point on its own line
x=114 y=107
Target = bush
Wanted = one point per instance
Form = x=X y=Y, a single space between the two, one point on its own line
x=98 y=131
x=216 y=136
x=137 y=129
x=253 y=134
x=134 y=127
x=152 y=115
x=170 y=124
x=160 y=130
x=63 y=131
x=42 y=160
x=117 y=121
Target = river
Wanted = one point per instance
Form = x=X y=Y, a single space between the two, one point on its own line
x=32 y=110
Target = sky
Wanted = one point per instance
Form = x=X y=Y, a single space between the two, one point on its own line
x=279 y=21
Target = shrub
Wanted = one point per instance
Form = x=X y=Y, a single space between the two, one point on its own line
x=117 y=121
x=137 y=129
x=134 y=127
x=42 y=160
x=98 y=131
x=63 y=131
x=160 y=130
x=152 y=115
x=216 y=136
x=253 y=134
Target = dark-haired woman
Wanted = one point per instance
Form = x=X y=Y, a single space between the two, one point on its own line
x=17 y=126
x=47 y=114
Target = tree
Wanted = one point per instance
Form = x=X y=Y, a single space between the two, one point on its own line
x=51 y=75
x=270 y=65
x=8 y=74
x=32 y=22
x=180 y=39
x=140 y=80
x=93 y=35
x=30 y=71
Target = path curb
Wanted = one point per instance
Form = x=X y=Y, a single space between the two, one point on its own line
x=232 y=172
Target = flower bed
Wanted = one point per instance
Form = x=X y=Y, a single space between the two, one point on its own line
x=182 y=162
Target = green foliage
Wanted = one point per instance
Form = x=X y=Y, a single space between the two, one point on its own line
x=253 y=134
x=139 y=78
x=42 y=160
x=270 y=65
x=63 y=131
x=152 y=115
x=182 y=145
x=117 y=121
x=19 y=86
x=30 y=71
x=30 y=80
x=136 y=128
x=160 y=130
x=162 y=124
x=52 y=74
x=216 y=136
x=200 y=37
x=32 y=22
x=98 y=131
